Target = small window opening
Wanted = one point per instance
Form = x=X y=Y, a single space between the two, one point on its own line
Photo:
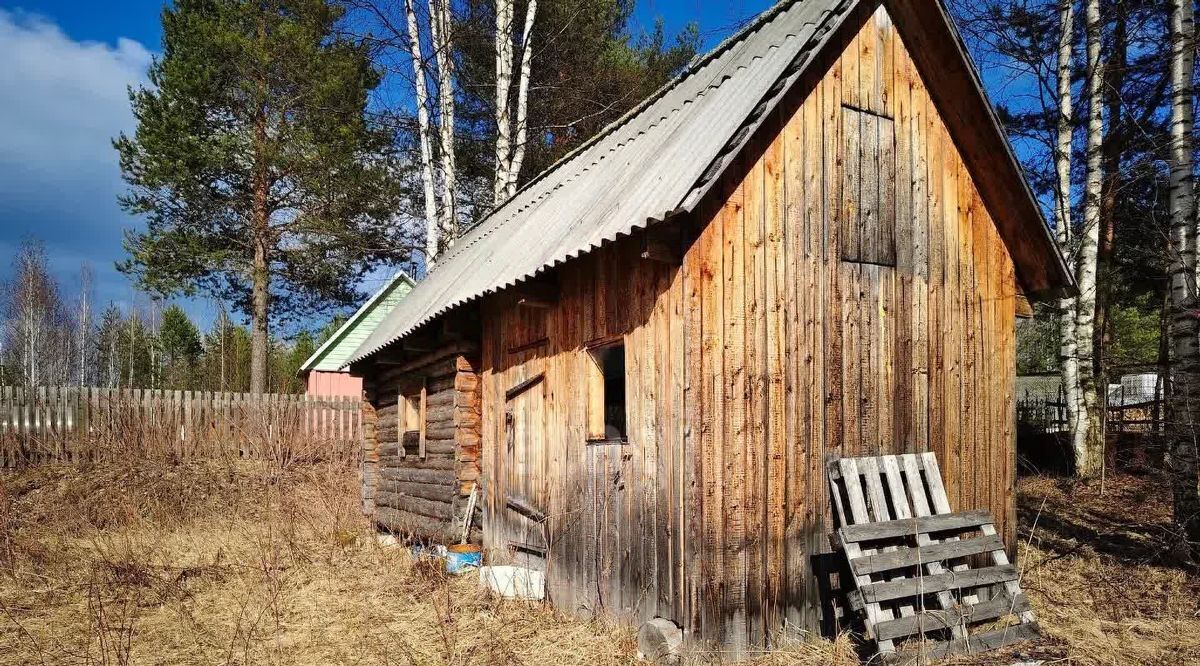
x=412 y=423
x=606 y=394
x=412 y=412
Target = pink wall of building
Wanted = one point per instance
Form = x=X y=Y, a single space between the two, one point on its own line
x=322 y=383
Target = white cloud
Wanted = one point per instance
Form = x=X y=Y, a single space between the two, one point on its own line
x=64 y=99
x=61 y=103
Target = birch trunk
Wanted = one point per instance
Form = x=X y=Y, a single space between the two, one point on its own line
x=518 y=149
x=1088 y=439
x=1068 y=306
x=84 y=323
x=421 y=90
x=439 y=25
x=1182 y=448
x=504 y=55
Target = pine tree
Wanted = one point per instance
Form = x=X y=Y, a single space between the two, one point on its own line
x=261 y=180
x=179 y=340
x=580 y=68
x=108 y=347
x=226 y=356
x=586 y=68
x=290 y=358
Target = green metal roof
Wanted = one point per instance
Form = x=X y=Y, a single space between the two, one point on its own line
x=336 y=351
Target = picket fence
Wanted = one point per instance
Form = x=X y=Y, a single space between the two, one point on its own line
x=49 y=424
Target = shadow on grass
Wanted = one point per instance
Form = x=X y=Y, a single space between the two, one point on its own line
x=1126 y=517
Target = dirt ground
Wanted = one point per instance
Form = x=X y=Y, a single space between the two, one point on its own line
x=208 y=563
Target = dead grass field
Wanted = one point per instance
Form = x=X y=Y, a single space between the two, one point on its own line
x=1096 y=567
x=208 y=563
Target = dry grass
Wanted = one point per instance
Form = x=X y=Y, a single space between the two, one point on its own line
x=1097 y=568
x=1095 y=565
x=238 y=563
x=209 y=563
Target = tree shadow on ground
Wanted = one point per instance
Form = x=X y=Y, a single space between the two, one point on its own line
x=1125 y=516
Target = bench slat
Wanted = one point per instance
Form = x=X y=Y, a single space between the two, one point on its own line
x=951 y=580
x=936 y=620
x=972 y=645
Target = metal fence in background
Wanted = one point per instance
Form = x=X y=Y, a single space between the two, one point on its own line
x=1135 y=404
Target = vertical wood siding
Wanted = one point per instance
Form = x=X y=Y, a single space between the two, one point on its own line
x=761 y=355
x=326 y=383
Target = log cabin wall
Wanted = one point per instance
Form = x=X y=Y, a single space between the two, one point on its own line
x=422 y=489
x=369 y=471
x=847 y=294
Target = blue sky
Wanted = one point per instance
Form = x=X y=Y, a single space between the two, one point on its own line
x=67 y=66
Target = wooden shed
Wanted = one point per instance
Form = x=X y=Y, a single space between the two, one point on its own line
x=810 y=244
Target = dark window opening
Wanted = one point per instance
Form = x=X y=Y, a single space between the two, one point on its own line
x=606 y=418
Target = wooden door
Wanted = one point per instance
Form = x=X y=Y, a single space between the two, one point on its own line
x=525 y=481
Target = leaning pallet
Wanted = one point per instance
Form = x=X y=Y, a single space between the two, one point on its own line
x=911 y=562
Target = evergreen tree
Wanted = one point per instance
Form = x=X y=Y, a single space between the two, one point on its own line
x=588 y=71
x=329 y=329
x=260 y=178
x=226 y=356
x=302 y=348
x=179 y=340
x=108 y=345
x=287 y=360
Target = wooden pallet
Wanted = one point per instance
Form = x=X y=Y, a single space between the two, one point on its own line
x=911 y=567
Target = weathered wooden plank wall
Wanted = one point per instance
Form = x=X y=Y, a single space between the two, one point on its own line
x=614 y=525
x=68 y=424
x=763 y=353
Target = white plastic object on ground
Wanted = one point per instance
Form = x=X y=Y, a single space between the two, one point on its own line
x=514 y=582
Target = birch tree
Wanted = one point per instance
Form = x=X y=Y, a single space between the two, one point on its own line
x=518 y=151
x=424 y=135
x=435 y=131
x=443 y=49
x=504 y=55
x=1087 y=436
x=584 y=50
x=83 y=325
x=37 y=331
x=1182 y=448
x=510 y=154
x=1068 y=306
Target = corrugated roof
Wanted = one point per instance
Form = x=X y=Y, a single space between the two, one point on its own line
x=656 y=161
